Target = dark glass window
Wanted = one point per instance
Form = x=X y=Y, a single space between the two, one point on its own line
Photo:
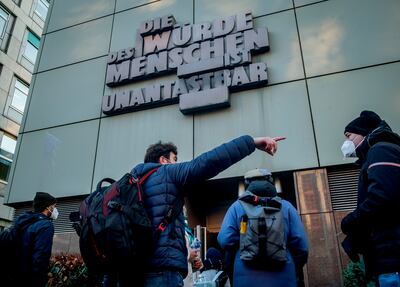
x=6 y=26
x=7 y=148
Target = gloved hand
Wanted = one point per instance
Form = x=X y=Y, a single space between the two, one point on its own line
x=350 y=247
x=348 y=223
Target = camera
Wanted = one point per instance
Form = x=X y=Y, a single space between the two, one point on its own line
x=75 y=218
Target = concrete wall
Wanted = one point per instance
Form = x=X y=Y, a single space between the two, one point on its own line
x=328 y=60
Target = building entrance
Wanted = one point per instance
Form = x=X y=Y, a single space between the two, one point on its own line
x=208 y=202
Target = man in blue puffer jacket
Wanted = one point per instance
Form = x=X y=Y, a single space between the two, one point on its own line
x=37 y=240
x=168 y=263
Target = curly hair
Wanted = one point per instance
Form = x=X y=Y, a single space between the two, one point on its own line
x=158 y=149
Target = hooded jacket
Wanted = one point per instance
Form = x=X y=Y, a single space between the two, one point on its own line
x=169 y=184
x=35 y=250
x=376 y=222
x=296 y=242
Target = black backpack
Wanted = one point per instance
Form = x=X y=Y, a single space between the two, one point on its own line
x=10 y=246
x=115 y=231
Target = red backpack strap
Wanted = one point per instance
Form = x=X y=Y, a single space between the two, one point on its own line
x=146 y=176
x=141 y=180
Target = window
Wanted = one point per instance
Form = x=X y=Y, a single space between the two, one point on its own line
x=32 y=47
x=6 y=26
x=3 y=22
x=20 y=95
x=7 y=146
x=41 y=9
x=18 y=2
x=7 y=149
x=16 y=100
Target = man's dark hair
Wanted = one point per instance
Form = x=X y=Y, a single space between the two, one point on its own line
x=158 y=149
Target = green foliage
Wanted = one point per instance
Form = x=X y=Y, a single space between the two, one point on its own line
x=354 y=275
x=69 y=270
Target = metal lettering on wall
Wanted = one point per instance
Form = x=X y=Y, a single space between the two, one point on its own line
x=210 y=59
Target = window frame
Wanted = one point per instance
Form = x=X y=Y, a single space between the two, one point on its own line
x=14 y=143
x=5 y=158
x=6 y=22
x=9 y=23
x=14 y=107
x=31 y=43
x=45 y=4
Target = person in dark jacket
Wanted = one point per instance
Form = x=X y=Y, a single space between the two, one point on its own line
x=259 y=183
x=167 y=265
x=37 y=241
x=373 y=228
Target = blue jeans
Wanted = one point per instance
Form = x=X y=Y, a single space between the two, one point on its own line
x=389 y=280
x=164 y=279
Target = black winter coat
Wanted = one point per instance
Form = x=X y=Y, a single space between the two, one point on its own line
x=374 y=225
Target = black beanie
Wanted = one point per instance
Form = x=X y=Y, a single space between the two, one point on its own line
x=364 y=124
x=42 y=200
x=213 y=259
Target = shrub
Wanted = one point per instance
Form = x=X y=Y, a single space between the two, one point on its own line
x=69 y=270
x=354 y=275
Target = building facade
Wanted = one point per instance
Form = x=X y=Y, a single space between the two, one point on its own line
x=21 y=25
x=112 y=77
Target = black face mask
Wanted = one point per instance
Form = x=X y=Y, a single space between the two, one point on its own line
x=263 y=188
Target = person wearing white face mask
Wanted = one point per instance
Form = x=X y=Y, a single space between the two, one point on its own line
x=36 y=240
x=373 y=228
x=350 y=145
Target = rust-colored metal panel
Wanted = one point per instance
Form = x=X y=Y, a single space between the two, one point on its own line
x=344 y=259
x=312 y=191
x=323 y=267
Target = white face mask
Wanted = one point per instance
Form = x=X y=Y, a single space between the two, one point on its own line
x=54 y=214
x=348 y=149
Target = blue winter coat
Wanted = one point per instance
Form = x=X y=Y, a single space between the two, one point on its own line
x=37 y=241
x=172 y=181
x=296 y=241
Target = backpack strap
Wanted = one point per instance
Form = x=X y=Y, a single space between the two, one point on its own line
x=270 y=202
x=172 y=214
x=173 y=211
x=107 y=179
x=140 y=180
x=98 y=188
x=262 y=236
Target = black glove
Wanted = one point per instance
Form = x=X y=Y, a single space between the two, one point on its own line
x=348 y=223
x=350 y=247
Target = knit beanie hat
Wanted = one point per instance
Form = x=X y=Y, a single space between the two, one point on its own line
x=42 y=200
x=259 y=181
x=257 y=174
x=364 y=124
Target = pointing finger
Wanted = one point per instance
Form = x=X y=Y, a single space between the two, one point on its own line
x=277 y=139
